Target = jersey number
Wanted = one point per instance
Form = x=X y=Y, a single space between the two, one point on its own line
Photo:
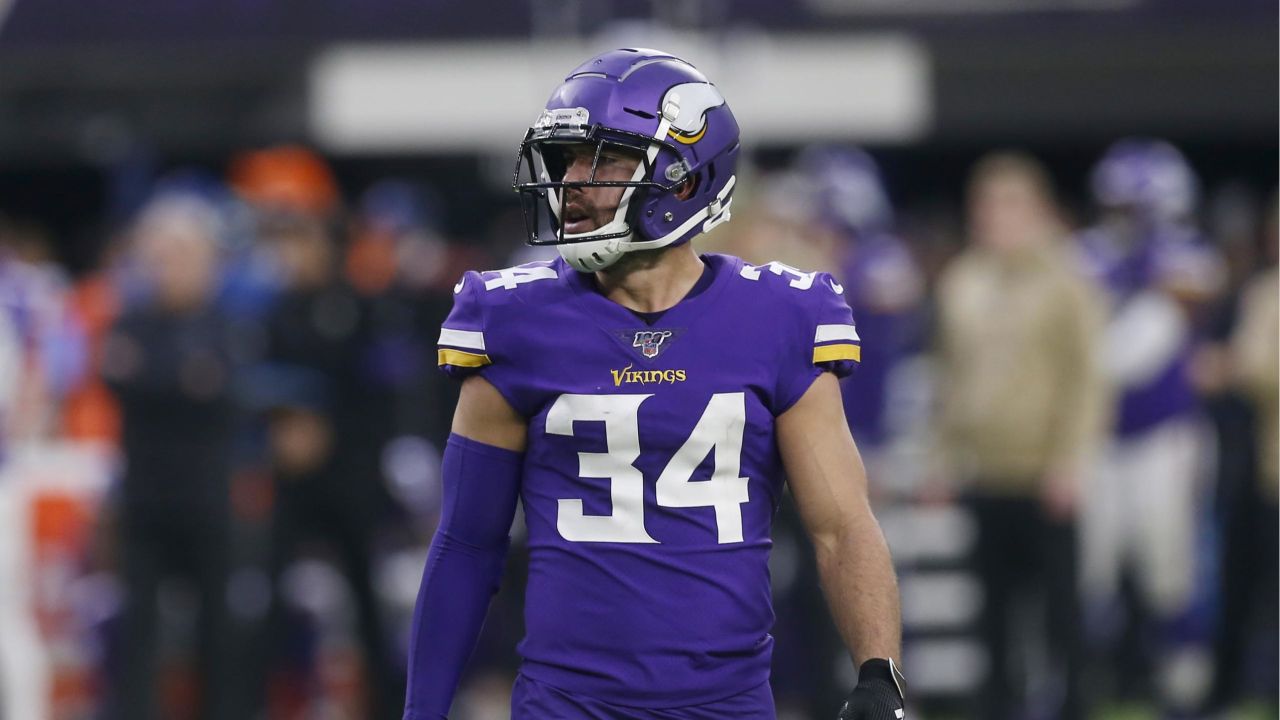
x=509 y=278
x=720 y=429
x=801 y=280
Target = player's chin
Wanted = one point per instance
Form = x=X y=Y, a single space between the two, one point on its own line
x=577 y=227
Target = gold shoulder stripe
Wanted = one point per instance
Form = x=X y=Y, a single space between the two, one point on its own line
x=458 y=358
x=842 y=351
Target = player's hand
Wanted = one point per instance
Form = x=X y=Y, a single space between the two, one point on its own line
x=878 y=696
x=1060 y=493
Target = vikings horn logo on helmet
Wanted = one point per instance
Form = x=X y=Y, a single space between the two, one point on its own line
x=692 y=100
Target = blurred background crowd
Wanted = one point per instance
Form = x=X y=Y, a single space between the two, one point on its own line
x=229 y=232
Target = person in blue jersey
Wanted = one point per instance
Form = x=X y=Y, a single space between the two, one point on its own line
x=647 y=405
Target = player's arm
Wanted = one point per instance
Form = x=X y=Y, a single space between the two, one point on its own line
x=481 y=482
x=829 y=484
x=484 y=416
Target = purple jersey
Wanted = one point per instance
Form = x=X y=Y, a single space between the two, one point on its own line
x=652 y=472
x=1143 y=278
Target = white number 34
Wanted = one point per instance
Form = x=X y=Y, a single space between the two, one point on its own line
x=720 y=429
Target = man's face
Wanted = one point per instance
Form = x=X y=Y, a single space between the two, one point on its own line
x=1006 y=213
x=302 y=246
x=179 y=255
x=587 y=209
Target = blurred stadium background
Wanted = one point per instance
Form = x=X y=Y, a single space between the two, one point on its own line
x=228 y=233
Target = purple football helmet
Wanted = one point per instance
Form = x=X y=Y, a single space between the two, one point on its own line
x=647 y=102
x=1148 y=176
x=848 y=191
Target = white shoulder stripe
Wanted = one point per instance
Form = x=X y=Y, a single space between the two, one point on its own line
x=470 y=339
x=827 y=333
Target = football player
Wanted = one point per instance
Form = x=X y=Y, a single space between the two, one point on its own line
x=645 y=404
x=1144 y=505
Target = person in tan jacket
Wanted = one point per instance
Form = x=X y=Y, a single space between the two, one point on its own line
x=1020 y=412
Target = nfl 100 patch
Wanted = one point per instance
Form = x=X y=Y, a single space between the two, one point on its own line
x=649 y=343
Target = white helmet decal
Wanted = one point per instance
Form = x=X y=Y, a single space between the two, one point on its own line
x=690 y=102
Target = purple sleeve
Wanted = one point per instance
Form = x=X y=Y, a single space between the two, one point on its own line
x=464 y=565
x=824 y=340
x=462 y=348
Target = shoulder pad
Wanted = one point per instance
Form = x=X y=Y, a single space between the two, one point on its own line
x=819 y=334
x=465 y=343
x=817 y=305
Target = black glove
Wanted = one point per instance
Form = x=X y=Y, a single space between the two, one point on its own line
x=879 y=695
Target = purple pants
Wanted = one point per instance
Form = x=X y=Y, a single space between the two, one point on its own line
x=532 y=700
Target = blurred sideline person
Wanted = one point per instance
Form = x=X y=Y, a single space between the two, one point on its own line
x=883 y=285
x=169 y=359
x=326 y=417
x=1146 y=510
x=835 y=199
x=42 y=345
x=1021 y=399
x=397 y=261
x=1247 y=629
x=41 y=356
x=644 y=402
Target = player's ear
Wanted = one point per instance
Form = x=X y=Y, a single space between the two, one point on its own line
x=687 y=188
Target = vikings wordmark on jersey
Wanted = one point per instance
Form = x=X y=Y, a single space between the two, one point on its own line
x=651 y=473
